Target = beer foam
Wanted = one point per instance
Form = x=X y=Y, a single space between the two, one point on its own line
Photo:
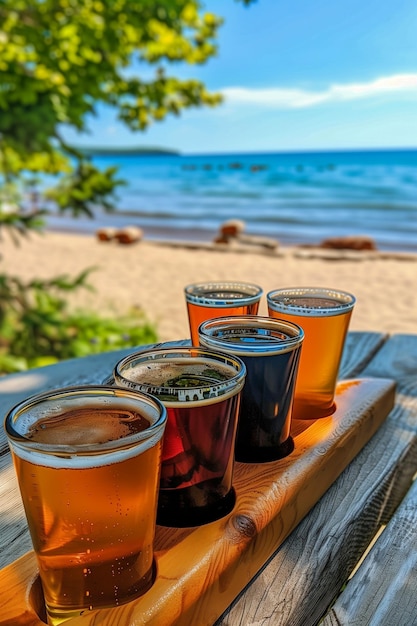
x=207 y=380
x=160 y=372
x=222 y=295
x=311 y=305
x=99 y=434
x=311 y=302
x=87 y=427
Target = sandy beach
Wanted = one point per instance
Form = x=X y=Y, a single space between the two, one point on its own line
x=151 y=275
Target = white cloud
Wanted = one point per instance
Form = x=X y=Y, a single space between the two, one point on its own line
x=299 y=98
x=110 y=130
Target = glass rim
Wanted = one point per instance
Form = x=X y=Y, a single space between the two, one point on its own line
x=252 y=322
x=195 y=293
x=83 y=449
x=179 y=394
x=344 y=299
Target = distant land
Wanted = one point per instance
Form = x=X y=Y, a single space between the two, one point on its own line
x=110 y=150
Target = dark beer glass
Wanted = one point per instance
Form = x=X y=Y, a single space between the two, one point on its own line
x=201 y=391
x=88 y=460
x=270 y=350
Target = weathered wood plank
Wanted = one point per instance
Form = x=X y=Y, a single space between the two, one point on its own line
x=383 y=590
x=360 y=348
x=329 y=542
x=201 y=570
x=306 y=574
x=14 y=535
x=397 y=359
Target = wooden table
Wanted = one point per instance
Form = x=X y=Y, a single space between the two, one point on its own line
x=300 y=525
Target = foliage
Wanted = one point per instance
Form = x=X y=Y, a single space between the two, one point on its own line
x=37 y=327
x=85 y=189
x=60 y=60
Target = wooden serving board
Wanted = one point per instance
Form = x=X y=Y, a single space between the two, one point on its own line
x=201 y=570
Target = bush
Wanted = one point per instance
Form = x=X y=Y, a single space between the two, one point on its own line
x=37 y=327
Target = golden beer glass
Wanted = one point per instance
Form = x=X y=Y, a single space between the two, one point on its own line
x=208 y=300
x=88 y=463
x=324 y=314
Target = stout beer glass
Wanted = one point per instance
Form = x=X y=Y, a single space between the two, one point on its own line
x=88 y=460
x=270 y=350
x=217 y=299
x=324 y=315
x=201 y=391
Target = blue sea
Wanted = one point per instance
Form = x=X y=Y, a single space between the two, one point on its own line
x=296 y=198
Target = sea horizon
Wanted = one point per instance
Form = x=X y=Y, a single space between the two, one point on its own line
x=297 y=197
x=147 y=150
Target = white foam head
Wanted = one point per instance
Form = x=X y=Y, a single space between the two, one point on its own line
x=92 y=445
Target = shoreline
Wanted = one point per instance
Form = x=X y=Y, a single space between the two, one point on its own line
x=151 y=276
x=195 y=237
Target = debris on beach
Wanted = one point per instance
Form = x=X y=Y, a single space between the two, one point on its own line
x=232 y=233
x=105 y=234
x=130 y=234
x=127 y=235
x=355 y=242
x=231 y=229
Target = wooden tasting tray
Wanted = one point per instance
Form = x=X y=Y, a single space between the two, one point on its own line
x=201 y=570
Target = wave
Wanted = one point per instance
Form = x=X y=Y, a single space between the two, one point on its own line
x=295 y=197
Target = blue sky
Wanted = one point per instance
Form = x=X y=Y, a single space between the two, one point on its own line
x=295 y=75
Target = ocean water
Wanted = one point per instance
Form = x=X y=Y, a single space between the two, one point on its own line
x=296 y=198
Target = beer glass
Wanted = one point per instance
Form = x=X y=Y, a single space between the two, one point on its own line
x=270 y=350
x=88 y=461
x=218 y=299
x=324 y=315
x=201 y=391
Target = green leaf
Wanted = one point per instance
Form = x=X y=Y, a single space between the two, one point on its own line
x=10 y=364
x=60 y=60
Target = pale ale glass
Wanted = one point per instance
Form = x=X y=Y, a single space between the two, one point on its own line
x=324 y=314
x=88 y=462
x=270 y=350
x=218 y=299
x=201 y=391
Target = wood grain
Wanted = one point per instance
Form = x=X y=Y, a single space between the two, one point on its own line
x=307 y=572
x=359 y=350
x=383 y=591
x=200 y=571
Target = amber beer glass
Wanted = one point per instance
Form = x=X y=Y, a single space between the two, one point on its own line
x=88 y=462
x=218 y=299
x=324 y=314
x=201 y=391
x=270 y=349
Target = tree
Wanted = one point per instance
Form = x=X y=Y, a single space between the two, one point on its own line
x=58 y=60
